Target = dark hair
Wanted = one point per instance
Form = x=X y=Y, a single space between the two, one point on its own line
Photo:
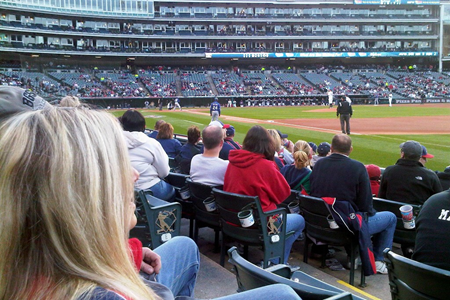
x=212 y=136
x=165 y=131
x=258 y=140
x=341 y=143
x=132 y=120
x=193 y=134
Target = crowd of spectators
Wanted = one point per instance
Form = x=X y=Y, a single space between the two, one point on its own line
x=311 y=82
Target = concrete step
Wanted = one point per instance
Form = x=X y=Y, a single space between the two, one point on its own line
x=213 y=280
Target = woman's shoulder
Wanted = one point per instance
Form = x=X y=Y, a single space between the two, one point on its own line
x=100 y=293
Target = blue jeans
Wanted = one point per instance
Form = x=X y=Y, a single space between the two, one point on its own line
x=382 y=228
x=296 y=223
x=164 y=191
x=180 y=263
x=270 y=292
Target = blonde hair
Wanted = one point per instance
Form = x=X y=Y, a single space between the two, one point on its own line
x=301 y=159
x=65 y=191
x=276 y=137
x=69 y=101
x=303 y=146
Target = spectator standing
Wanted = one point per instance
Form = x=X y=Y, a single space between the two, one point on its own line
x=154 y=133
x=147 y=156
x=165 y=138
x=345 y=111
x=345 y=179
x=208 y=168
x=189 y=149
x=214 y=110
x=253 y=172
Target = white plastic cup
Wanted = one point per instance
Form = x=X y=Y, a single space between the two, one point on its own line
x=210 y=204
x=411 y=224
x=246 y=218
x=407 y=213
x=185 y=193
x=294 y=207
x=331 y=222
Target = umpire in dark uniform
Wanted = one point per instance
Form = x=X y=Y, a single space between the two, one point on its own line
x=344 y=109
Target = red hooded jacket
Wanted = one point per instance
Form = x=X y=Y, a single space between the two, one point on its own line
x=251 y=174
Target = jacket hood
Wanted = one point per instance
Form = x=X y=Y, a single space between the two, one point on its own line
x=243 y=158
x=134 y=139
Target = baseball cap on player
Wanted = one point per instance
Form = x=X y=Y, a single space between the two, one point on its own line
x=323 y=148
x=425 y=153
x=229 y=128
x=15 y=99
x=283 y=136
x=411 y=150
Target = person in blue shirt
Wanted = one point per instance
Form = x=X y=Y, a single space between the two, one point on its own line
x=214 y=110
x=165 y=138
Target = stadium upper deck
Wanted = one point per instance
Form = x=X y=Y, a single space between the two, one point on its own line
x=222 y=29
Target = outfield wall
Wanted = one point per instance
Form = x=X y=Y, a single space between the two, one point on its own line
x=205 y=101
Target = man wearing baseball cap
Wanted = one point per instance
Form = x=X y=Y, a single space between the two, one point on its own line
x=408 y=181
x=323 y=150
x=14 y=100
x=425 y=155
x=229 y=135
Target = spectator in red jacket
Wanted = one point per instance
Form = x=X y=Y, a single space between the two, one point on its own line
x=374 y=172
x=252 y=171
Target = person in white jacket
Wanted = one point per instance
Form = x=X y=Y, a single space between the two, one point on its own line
x=147 y=156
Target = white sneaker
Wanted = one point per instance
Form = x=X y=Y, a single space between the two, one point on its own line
x=381 y=267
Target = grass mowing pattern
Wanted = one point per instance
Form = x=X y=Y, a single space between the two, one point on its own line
x=382 y=150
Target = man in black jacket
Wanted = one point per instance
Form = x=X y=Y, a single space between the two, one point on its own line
x=345 y=110
x=408 y=180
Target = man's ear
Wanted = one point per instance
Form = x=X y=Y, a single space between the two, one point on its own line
x=351 y=149
x=402 y=155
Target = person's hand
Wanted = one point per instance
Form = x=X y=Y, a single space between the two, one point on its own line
x=151 y=262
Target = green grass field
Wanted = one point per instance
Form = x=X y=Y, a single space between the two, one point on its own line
x=382 y=150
